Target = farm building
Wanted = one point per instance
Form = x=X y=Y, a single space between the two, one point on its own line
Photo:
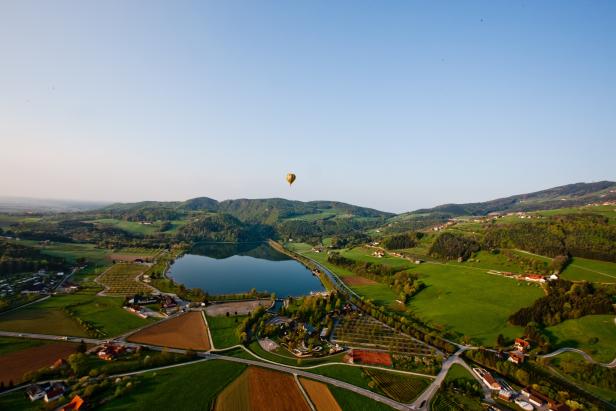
x=110 y=352
x=516 y=357
x=521 y=344
x=487 y=378
x=75 y=404
x=36 y=392
x=534 y=398
x=55 y=391
x=537 y=278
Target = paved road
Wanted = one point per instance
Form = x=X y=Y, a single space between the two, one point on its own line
x=582 y=353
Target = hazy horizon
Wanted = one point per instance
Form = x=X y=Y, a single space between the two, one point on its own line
x=393 y=106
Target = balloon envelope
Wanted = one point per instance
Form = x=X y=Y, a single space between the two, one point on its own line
x=290 y=178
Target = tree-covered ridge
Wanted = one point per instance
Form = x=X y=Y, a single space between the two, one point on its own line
x=566 y=300
x=17 y=259
x=453 y=246
x=399 y=241
x=223 y=227
x=586 y=235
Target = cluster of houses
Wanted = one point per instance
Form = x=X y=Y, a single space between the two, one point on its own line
x=167 y=303
x=41 y=282
x=50 y=392
x=111 y=352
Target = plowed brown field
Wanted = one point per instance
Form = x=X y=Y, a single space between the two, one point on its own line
x=14 y=365
x=187 y=332
x=320 y=395
x=355 y=280
x=259 y=389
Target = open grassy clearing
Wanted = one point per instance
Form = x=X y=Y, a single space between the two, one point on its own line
x=188 y=331
x=175 y=388
x=590 y=270
x=402 y=388
x=48 y=316
x=135 y=227
x=122 y=280
x=224 y=330
x=457 y=371
x=320 y=395
x=469 y=302
x=594 y=334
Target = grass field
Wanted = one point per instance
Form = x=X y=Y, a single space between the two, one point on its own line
x=14 y=365
x=462 y=300
x=121 y=280
x=18 y=400
x=134 y=227
x=188 y=331
x=47 y=317
x=175 y=388
x=470 y=302
x=594 y=334
x=9 y=345
x=457 y=371
x=320 y=395
x=223 y=330
x=350 y=401
x=590 y=270
x=289 y=359
x=71 y=251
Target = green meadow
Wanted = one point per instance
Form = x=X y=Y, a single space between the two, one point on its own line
x=595 y=334
x=462 y=300
x=48 y=316
x=224 y=330
x=470 y=302
x=590 y=270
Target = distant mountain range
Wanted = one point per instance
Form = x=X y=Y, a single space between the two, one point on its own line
x=272 y=210
x=569 y=195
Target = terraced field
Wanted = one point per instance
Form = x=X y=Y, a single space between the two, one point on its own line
x=366 y=332
x=403 y=388
x=121 y=280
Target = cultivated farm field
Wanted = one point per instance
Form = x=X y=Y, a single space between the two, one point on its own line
x=121 y=280
x=403 y=388
x=15 y=364
x=265 y=390
x=188 y=331
x=366 y=332
x=320 y=395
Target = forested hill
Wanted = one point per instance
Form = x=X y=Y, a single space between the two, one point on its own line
x=569 y=195
x=264 y=211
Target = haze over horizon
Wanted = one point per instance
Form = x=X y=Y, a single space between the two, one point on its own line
x=392 y=106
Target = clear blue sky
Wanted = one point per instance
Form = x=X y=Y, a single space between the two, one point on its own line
x=393 y=105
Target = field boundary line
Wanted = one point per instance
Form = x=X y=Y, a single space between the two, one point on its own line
x=25 y=305
x=209 y=332
x=304 y=393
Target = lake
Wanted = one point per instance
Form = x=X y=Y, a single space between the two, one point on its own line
x=237 y=268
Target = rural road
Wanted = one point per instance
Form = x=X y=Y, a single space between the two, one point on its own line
x=582 y=353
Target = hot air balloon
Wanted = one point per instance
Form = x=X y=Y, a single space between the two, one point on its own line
x=290 y=178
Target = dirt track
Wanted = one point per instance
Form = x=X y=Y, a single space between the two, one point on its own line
x=241 y=307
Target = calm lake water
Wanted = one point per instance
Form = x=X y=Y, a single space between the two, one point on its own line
x=237 y=268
